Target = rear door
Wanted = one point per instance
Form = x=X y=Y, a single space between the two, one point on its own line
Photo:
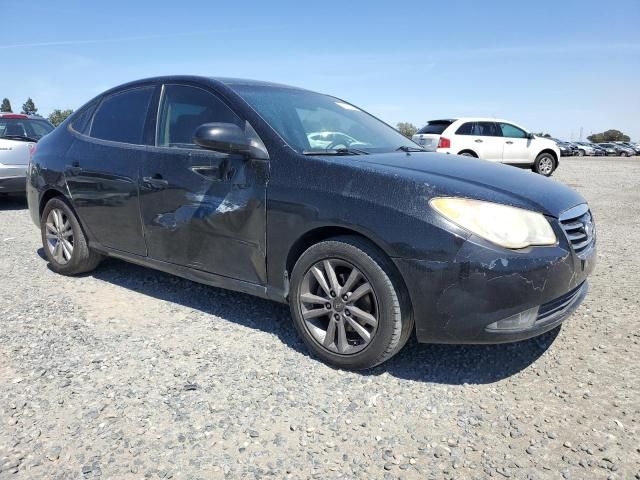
x=483 y=138
x=429 y=135
x=203 y=209
x=103 y=167
x=516 y=145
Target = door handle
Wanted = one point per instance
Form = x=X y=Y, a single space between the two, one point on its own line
x=156 y=182
x=509 y=142
x=478 y=140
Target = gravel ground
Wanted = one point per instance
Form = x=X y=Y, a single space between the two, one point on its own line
x=131 y=373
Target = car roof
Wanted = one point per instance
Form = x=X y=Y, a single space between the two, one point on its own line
x=213 y=81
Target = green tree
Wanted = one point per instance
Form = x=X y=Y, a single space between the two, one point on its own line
x=6 y=106
x=58 y=116
x=29 y=108
x=609 y=136
x=407 y=129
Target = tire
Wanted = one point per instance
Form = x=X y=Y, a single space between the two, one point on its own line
x=467 y=154
x=72 y=255
x=387 y=302
x=545 y=164
x=581 y=153
x=624 y=154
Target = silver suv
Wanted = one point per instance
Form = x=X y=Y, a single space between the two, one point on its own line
x=18 y=137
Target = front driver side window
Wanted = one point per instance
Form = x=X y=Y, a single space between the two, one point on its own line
x=184 y=109
x=511 y=131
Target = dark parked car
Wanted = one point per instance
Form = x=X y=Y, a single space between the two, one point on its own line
x=216 y=180
x=616 y=150
x=566 y=149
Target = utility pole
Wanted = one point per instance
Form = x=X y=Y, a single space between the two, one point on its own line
x=580 y=134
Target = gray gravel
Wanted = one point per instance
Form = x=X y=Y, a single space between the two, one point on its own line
x=131 y=373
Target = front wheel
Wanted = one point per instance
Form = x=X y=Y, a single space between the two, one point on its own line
x=345 y=305
x=64 y=242
x=545 y=164
x=581 y=153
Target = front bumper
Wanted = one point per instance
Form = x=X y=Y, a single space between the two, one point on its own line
x=455 y=302
x=13 y=178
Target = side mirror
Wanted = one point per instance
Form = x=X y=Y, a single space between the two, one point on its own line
x=222 y=137
x=530 y=136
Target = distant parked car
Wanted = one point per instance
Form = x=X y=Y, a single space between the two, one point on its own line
x=610 y=148
x=620 y=150
x=566 y=150
x=585 y=148
x=490 y=139
x=18 y=137
x=631 y=146
x=598 y=150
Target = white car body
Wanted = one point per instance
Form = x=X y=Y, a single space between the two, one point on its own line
x=490 y=139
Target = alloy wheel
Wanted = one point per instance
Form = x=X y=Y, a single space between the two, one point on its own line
x=59 y=234
x=339 y=306
x=546 y=165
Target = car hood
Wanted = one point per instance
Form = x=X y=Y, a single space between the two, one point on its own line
x=454 y=175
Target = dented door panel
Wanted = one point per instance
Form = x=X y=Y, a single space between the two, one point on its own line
x=207 y=212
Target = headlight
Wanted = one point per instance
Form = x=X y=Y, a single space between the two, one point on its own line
x=509 y=227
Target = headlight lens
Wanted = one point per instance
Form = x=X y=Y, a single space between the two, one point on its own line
x=509 y=227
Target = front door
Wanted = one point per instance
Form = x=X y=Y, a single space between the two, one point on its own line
x=516 y=144
x=102 y=170
x=202 y=209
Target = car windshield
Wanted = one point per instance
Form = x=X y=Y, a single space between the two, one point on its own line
x=24 y=128
x=311 y=122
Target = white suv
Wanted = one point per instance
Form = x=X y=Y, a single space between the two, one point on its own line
x=18 y=137
x=490 y=139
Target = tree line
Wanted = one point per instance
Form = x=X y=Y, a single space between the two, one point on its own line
x=409 y=130
x=29 y=108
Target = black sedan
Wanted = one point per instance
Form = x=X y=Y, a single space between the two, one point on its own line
x=368 y=238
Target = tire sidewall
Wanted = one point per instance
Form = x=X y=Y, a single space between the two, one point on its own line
x=388 y=313
x=73 y=265
x=539 y=158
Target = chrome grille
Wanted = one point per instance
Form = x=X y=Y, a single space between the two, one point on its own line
x=578 y=225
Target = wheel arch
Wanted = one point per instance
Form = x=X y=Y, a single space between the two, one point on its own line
x=48 y=195
x=468 y=150
x=551 y=152
x=321 y=233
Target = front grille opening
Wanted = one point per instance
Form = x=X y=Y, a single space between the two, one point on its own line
x=579 y=229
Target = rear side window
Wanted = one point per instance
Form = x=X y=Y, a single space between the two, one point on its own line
x=27 y=128
x=466 y=129
x=121 y=116
x=184 y=108
x=487 y=129
x=436 y=127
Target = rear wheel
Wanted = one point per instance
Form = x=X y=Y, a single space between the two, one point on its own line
x=64 y=242
x=467 y=153
x=345 y=305
x=624 y=154
x=581 y=153
x=545 y=164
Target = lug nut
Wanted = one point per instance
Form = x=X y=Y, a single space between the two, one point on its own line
x=347 y=313
x=336 y=316
x=327 y=306
x=345 y=297
x=332 y=293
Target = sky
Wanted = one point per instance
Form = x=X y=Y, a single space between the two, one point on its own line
x=551 y=66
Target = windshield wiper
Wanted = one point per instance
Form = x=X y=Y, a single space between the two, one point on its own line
x=336 y=151
x=407 y=148
x=19 y=137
